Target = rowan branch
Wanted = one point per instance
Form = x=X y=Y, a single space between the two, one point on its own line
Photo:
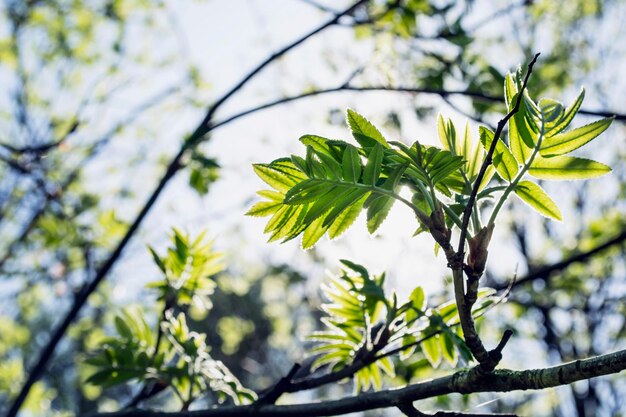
x=464 y=382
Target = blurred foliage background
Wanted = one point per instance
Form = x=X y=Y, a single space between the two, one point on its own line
x=97 y=96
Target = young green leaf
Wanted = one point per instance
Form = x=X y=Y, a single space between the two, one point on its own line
x=351 y=164
x=307 y=191
x=448 y=349
x=566 y=168
x=323 y=203
x=343 y=201
x=533 y=195
x=346 y=218
x=264 y=208
x=317 y=143
x=377 y=210
x=567 y=116
x=466 y=146
x=333 y=167
x=551 y=112
x=313 y=233
x=289 y=224
x=432 y=351
x=447 y=134
x=568 y=141
x=418 y=304
x=374 y=165
x=418 y=299
x=364 y=131
x=510 y=90
x=274 y=177
x=503 y=159
x=360 y=269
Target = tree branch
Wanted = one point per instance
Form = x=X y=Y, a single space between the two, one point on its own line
x=204 y=126
x=411 y=411
x=464 y=382
x=548 y=270
x=396 y=89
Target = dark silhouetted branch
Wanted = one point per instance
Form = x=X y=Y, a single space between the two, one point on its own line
x=548 y=270
x=383 y=88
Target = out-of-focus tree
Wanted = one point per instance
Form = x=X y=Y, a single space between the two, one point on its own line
x=92 y=95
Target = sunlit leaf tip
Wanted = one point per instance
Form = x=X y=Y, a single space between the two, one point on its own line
x=365 y=133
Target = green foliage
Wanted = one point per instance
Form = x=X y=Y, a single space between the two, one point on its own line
x=538 y=144
x=174 y=356
x=365 y=325
x=196 y=372
x=203 y=172
x=127 y=356
x=187 y=267
x=326 y=190
x=361 y=320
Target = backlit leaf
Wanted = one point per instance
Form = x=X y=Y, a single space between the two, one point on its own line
x=274 y=177
x=346 y=218
x=351 y=164
x=377 y=211
x=432 y=350
x=533 y=195
x=567 y=116
x=568 y=141
x=374 y=165
x=313 y=233
x=503 y=159
x=364 y=132
x=448 y=349
x=566 y=168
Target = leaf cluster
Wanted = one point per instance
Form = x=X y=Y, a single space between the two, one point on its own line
x=188 y=267
x=539 y=144
x=172 y=357
x=365 y=325
x=326 y=190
